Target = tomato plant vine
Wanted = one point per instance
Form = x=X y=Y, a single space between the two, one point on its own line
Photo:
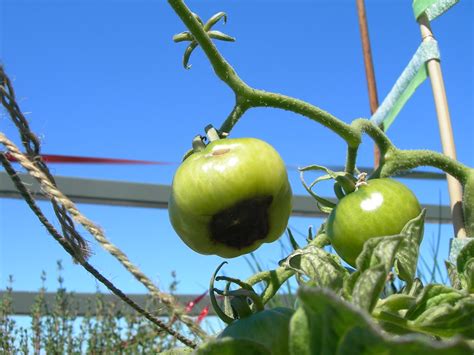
x=246 y=97
x=331 y=297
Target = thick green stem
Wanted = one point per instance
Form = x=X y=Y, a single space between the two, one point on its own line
x=248 y=97
x=221 y=67
x=233 y=118
x=273 y=278
x=399 y=160
x=351 y=159
x=362 y=125
x=260 y=98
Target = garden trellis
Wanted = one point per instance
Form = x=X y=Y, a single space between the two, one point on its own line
x=246 y=98
x=426 y=62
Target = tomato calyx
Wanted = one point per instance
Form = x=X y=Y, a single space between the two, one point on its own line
x=344 y=184
x=199 y=141
x=238 y=304
x=361 y=180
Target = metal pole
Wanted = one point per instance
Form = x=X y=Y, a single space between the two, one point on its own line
x=446 y=131
x=369 y=67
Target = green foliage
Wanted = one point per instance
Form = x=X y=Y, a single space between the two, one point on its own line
x=57 y=329
x=346 y=312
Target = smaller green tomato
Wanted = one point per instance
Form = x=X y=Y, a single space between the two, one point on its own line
x=382 y=207
x=230 y=197
x=270 y=328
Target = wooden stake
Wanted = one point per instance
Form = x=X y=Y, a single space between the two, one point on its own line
x=446 y=131
x=369 y=67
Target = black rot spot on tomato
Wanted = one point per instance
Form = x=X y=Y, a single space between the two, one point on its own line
x=242 y=224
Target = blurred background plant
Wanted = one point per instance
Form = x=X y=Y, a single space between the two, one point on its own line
x=106 y=327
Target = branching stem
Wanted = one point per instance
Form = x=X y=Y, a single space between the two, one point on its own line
x=392 y=159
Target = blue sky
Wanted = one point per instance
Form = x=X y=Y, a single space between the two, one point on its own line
x=105 y=79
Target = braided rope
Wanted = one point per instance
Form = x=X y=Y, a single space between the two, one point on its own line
x=66 y=245
x=32 y=146
x=53 y=193
x=38 y=169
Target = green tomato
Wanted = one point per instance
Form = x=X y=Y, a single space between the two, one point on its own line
x=230 y=197
x=269 y=328
x=380 y=208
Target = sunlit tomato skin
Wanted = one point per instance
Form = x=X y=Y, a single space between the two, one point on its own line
x=231 y=197
x=380 y=208
x=270 y=328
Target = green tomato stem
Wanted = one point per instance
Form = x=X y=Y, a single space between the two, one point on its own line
x=273 y=278
x=351 y=159
x=237 y=112
x=399 y=160
x=220 y=313
x=362 y=125
x=246 y=96
x=260 y=98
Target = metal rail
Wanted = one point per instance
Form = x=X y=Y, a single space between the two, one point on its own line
x=118 y=193
x=83 y=304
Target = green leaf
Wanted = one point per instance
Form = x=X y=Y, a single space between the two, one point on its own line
x=293 y=242
x=395 y=303
x=231 y=346
x=325 y=324
x=433 y=295
x=321 y=239
x=453 y=275
x=321 y=321
x=455 y=317
x=220 y=36
x=467 y=277
x=367 y=341
x=323 y=204
x=187 y=54
x=379 y=250
x=407 y=255
x=317 y=267
x=414 y=289
x=465 y=266
x=215 y=19
x=183 y=36
x=443 y=311
x=368 y=287
x=346 y=181
x=373 y=264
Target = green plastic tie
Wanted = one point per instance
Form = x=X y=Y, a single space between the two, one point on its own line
x=432 y=8
x=412 y=77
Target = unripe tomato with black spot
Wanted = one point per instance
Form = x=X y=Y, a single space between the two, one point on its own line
x=230 y=197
